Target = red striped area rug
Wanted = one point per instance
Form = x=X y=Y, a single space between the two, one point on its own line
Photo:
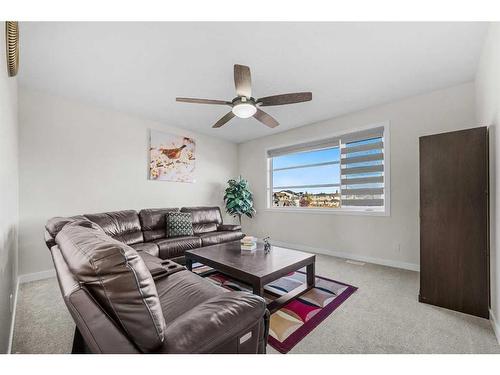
x=294 y=321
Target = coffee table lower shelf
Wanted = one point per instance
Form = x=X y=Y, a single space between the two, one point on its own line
x=258 y=286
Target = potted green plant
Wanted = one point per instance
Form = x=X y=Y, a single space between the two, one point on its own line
x=239 y=199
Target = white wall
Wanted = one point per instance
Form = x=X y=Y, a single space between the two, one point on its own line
x=8 y=194
x=392 y=240
x=76 y=158
x=488 y=114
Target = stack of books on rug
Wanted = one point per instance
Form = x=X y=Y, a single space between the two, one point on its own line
x=248 y=243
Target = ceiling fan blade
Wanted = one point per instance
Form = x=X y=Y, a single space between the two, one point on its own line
x=228 y=116
x=202 y=101
x=243 y=80
x=266 y=119
x=297 y=97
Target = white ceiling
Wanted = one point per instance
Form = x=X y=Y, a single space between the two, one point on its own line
x=140 y=68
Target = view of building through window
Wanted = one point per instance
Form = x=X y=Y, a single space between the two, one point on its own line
x=348 y=173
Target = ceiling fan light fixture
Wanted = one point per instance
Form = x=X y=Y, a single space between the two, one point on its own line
x=245 y=105
x=244 y=110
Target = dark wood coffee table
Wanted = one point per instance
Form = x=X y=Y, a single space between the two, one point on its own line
x=256 y=268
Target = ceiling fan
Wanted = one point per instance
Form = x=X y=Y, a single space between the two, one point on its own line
x=244 y=105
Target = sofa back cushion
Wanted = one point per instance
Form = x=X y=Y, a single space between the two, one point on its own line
x=205 y=219
x=153 y=222
x=54 y=225
x=123 y=226
x=117 y=278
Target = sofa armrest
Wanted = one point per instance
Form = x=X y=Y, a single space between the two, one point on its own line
x=159 y=268
x=228 y=227
x=230 y=322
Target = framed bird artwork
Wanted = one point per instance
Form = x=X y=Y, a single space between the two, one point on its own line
x=171 y=157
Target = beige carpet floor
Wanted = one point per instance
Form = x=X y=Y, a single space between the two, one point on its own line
x=383 y=316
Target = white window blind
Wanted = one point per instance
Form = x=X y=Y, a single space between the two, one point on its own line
x=304 y=147
x=362 y=168
x=343 y=172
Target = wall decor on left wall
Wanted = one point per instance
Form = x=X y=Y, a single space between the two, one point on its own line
x=171 y=157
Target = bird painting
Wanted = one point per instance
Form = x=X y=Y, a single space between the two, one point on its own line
x=172 y=153
x=172 y=157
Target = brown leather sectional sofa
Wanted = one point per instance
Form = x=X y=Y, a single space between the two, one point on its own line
x=124 y=285
x=146 y=230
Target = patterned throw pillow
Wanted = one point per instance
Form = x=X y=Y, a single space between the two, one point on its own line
x=179 y=224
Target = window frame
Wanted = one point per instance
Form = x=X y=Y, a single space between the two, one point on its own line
x=370 y=211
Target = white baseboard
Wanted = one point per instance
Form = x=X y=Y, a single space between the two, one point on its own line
x=26 y=278
x=496 y=327
x=13 y=318
x=21 y=280
x=383 y=262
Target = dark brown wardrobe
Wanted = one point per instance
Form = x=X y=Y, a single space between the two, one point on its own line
x=454 y=235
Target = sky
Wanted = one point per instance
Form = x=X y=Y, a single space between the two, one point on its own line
x=326 y=174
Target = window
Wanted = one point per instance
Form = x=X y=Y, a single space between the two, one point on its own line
x=341 y=173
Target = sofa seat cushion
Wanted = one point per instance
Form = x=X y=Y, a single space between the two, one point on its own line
x=177 y=246
x=147 y=247
x=182 y=291
x=117 y=278
x=153 y=222
x=123 y=226
x=213 y=238
x=226 y=323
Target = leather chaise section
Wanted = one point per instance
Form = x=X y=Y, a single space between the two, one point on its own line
x=187 y=287
x=153 y=222
x=219 y=321
x=213 y=238
x=123 y=226
x=117 y=278
x=176 y=246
